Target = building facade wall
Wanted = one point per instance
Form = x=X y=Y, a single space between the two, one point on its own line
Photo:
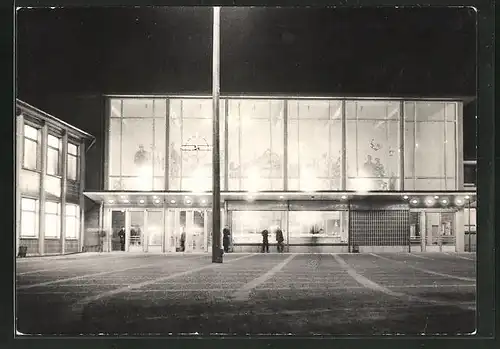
x=328 y=144
x=48 y=184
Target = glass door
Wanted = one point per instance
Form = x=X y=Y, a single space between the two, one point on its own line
x=154 y=230
x=135 y=231
x=118 y=230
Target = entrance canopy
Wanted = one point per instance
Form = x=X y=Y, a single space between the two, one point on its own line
x=416 y=199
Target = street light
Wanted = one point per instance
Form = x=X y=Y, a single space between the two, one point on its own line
x=216 y=250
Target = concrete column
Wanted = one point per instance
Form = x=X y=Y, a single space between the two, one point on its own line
x=19 y=159
x=64 y=188
x=43 y=173
x=459 y=228
x=81 y=238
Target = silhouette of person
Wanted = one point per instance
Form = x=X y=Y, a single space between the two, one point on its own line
x=265 y=241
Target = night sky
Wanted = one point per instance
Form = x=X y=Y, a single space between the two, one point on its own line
x=68 y=58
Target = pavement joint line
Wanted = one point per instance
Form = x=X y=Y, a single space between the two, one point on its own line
x=78 y=306
x=462 y=278
x=243 y=292
x=58 y=281
x=362 y=280
x=458 y=256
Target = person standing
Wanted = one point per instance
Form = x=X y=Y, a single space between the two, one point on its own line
x=265 y=241
x=121 y=235
x=226 y=239
x=279 y=240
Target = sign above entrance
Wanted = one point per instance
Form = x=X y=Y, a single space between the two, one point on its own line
x=196 y=145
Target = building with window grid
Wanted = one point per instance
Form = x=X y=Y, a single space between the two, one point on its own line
x=50 y=178
x=335 y=174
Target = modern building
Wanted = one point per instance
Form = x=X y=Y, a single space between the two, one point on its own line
x=335 y=174
x=50 y=178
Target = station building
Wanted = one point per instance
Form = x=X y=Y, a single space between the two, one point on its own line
x=335 y=174
x=50 y=178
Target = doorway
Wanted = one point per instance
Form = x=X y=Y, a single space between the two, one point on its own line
x=143 y=230
x=187 y=230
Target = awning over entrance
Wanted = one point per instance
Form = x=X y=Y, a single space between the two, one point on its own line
x=418 y=199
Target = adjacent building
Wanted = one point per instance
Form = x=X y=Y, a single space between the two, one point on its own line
x=335 y=174
x=50 y=178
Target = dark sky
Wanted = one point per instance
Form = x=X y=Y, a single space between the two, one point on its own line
x=68 y=58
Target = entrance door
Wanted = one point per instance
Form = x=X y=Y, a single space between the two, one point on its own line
x=135 y=231
x=154 y=230
x=187 y=230
x=117 y=225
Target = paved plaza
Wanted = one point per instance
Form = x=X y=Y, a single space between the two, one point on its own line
x=338 y=294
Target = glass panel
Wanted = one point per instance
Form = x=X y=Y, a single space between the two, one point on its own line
x=72 y=227
x=137 y=146
x=409 y=149
x=155 y=228
x=316 y=227
x=52 y=207
x=71 y=210
x=451 y=149
x=136 y=230
x=160 y=130
x=373 y=146
x=31 y=132
x=52 y=225
x=137 y=108
x=118 y=231
x=72 y=167
x=248 y=225
x=72 y=149
x=197 y=231
x=30 y=154
x=429 y=160
x=114 y=147
x=430 y=111
x=429 y=184
x=28 y=204
x=160 y=108
x=116 y=108
x=53 y=187
x=53 y=141
x=29 y=224
x=52 y=161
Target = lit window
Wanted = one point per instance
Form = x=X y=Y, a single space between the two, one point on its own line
x=29 y=218
x=72 y=221
x=72 y=162
x=53 y=151
x=52 y=220
x=30 y=149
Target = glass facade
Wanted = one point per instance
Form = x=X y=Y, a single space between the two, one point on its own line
x=284 y=144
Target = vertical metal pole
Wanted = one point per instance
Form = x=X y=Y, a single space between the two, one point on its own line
x=401 y=148
x=43 y=173
x=285 y=145
x=216 y=256
x=81 y=238
x=343 y=171
x=64 y=188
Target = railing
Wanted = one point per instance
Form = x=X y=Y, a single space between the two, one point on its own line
x=441 y=240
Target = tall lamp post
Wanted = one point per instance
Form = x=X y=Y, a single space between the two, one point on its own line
x=216 y=228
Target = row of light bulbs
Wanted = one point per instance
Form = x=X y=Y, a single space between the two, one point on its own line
x=156 y=200
x=432 y=201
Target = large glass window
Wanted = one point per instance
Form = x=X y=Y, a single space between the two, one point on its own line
x=247 y=226
x=314 y=145
x=137 y=132
x=52 y=219
x=318 y=227
x=53 y=155
x=190 y=148
x=256 y=145
x=430 y=146
x=72 y=171
x=72 y=221
x=29 y=218
x=372 y=145
x=31 y=147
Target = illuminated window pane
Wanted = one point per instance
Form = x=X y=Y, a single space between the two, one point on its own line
x=137 y=108
x=30 y=154
x=72 y=149
x=52 y=207
x=52 y=161
x=137 y=146
x=114 y=155
x=72 y=167
x=53 y=141
x=28 y=204
x=29 y=224
x=52 y=225
x=31 y=132
x=71 y=210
